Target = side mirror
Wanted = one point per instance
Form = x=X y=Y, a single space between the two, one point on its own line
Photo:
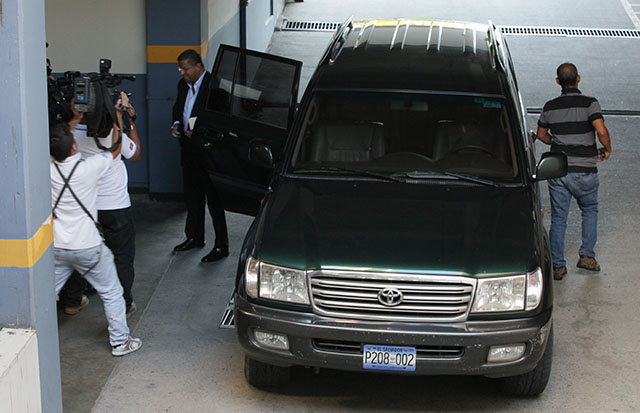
x=260 y=155
x=551 y=165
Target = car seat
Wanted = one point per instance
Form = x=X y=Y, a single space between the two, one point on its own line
x=347 y=141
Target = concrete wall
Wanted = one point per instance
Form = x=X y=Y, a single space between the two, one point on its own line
x=260 y=23
x=222 y=26
x=171 y=27
x=27 y=298
x=19 y=371
x=80 y=32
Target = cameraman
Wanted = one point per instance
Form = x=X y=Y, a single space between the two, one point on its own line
x=77 y=242
x=114 y=208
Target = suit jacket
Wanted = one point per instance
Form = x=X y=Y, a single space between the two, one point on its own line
x=198 y=106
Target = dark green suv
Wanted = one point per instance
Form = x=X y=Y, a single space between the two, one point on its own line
x=398 y=223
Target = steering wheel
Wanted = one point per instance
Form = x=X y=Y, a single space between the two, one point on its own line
x=406 y=155
x=472 y=147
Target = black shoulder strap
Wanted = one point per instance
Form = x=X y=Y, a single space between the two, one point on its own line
x=108 y=104
x=66 y=185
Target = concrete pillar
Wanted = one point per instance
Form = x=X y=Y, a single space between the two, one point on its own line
x=26 y=257
x=171 y=28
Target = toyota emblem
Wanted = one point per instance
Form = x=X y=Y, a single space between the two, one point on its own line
x=390 y=297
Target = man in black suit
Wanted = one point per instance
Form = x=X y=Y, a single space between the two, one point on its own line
x=192 y=94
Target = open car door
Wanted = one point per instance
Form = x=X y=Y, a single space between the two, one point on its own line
x=243 y=129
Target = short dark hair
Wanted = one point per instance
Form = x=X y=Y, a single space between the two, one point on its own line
x=567 y=74
x=60 y=141
x=191 y=56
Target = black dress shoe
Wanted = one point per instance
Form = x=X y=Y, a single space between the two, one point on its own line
x=216 y=254
x=188 y=244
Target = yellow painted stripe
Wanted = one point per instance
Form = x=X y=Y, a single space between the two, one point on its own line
x=205 y=49
x=24 y=253
x=169 y=54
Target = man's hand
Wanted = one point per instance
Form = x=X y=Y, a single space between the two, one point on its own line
x=175 y=131
x=119 y=114
x=126 y=105
x=77 y=116
x=603 y=154
x=543 y=135
x=603 y=136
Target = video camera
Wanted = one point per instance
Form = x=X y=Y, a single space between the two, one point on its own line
x=93 y=94
x=60 y=92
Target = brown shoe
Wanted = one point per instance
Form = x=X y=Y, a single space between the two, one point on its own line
x=131 y=309
x=73 y=310
x=588 y=263
x=559 y=271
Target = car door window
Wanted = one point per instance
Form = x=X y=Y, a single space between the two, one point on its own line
x=222 y=82
x=262 y=90
x=253 y=87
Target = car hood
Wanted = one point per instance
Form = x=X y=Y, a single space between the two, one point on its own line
x=387 y=226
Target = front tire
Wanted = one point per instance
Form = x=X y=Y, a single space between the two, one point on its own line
x=534 y=382
x=261 y=374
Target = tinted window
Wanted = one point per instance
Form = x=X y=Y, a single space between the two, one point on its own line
x=395 y=132
x=220 y=85
x=262 y=90
x=253 y=88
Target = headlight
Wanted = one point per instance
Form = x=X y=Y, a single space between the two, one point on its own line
x=499 y=294
x=251 y=277
x=275 y=283
x=534 y=289
x=514 y=293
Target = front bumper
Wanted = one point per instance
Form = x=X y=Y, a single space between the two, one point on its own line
x=453 y=348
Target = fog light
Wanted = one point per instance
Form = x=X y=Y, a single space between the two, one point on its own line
x=501 y=354
x=271 y=340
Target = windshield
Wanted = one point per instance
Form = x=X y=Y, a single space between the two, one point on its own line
x=405 y=133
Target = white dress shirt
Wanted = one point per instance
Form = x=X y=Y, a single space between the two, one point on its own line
x=190 y=100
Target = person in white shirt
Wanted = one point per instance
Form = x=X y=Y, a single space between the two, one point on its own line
x=114 y=209
x=77 y=242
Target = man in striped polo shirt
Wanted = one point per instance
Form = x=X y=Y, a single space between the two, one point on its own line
x=574 y=120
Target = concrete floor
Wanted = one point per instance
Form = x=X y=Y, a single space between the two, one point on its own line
x=189 y=364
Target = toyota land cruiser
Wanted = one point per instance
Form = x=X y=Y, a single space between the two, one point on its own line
x=398 y=222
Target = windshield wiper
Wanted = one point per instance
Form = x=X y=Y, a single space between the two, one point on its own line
x=450 y=175
x=361 y=172
x=472 y=178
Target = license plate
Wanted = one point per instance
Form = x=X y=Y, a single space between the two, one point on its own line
x=389 y=358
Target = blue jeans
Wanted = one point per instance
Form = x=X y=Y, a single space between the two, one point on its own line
x=583 y=187
x=97 y=265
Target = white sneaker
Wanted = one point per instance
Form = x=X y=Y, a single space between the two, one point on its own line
x=129 y=346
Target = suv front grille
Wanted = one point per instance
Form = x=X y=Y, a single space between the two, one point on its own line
x=422 y=351
x=391 y=296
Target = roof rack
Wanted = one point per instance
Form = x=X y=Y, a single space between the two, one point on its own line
x=504 y=60
x=493 y=45
x=337 y=42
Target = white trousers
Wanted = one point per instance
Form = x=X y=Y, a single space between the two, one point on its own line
x=98 y=267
